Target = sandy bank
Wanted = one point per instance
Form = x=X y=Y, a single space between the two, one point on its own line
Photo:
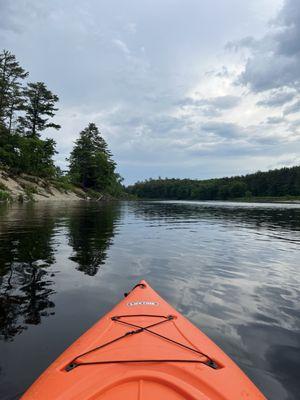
x=26 y=188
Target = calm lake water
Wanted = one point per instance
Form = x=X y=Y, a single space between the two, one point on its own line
x=233 y=269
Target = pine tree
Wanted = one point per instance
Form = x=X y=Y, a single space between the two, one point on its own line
x=16 y=102
x=91 y=165
x=11 y=96
x=39 y=108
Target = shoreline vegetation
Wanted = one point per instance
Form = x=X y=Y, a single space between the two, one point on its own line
x=24 y=188
x=278 y=185
x=278 y=200
x=27 y=168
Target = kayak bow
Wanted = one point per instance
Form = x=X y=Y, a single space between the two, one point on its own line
x=143 y=349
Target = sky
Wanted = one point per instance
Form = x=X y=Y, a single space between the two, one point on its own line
x=179 y=88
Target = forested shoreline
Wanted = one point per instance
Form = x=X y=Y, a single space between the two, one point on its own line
x=278 y=183
x=27 y=109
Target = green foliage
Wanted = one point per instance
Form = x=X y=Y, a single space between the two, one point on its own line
x=79 y=192
x=36 y=156
x=91 y=165
x=30 y=155
x=11 y=93
x=278 y=182
x=237 y=189
x=93 y=194
x=59 y=173
x=39 y=107
x=115 y=187
x=8 y=148
x=21 y=148
x=63 y=183
x=4 y=195
x=30 y=191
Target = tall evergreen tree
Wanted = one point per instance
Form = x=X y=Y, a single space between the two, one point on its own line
x=11 y=96
x=39 y=108
x=16 y=102
x=91 y=165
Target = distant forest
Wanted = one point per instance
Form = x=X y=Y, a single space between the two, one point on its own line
x=274 y=183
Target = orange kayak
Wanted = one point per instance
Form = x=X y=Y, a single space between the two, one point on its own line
x=143 y=349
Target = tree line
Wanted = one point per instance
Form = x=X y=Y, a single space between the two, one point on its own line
x=27 y=109
x=274 y=183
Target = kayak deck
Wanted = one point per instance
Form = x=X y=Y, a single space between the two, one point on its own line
x=143 y=349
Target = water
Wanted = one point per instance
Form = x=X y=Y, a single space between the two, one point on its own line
x=233 y=269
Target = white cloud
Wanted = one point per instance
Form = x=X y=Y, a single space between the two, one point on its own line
x=121 y=45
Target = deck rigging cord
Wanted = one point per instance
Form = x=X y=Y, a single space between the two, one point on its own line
x=74 y=364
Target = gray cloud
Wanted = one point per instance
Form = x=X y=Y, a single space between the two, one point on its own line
x=210 y=107
x=223 y=129
x=266 y=71
x=248 y=42
x=288 y=36
x=277 y=99
x=268 y=140
x=295 y=123
x=275 y=120
x=274 y=60
x=16 y=16
x=220 y=102
x=292 y=109
x=225 y=102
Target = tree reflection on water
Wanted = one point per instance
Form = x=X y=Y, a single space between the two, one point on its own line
x=28 y=240
x=90 y=235
x=26 y=284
